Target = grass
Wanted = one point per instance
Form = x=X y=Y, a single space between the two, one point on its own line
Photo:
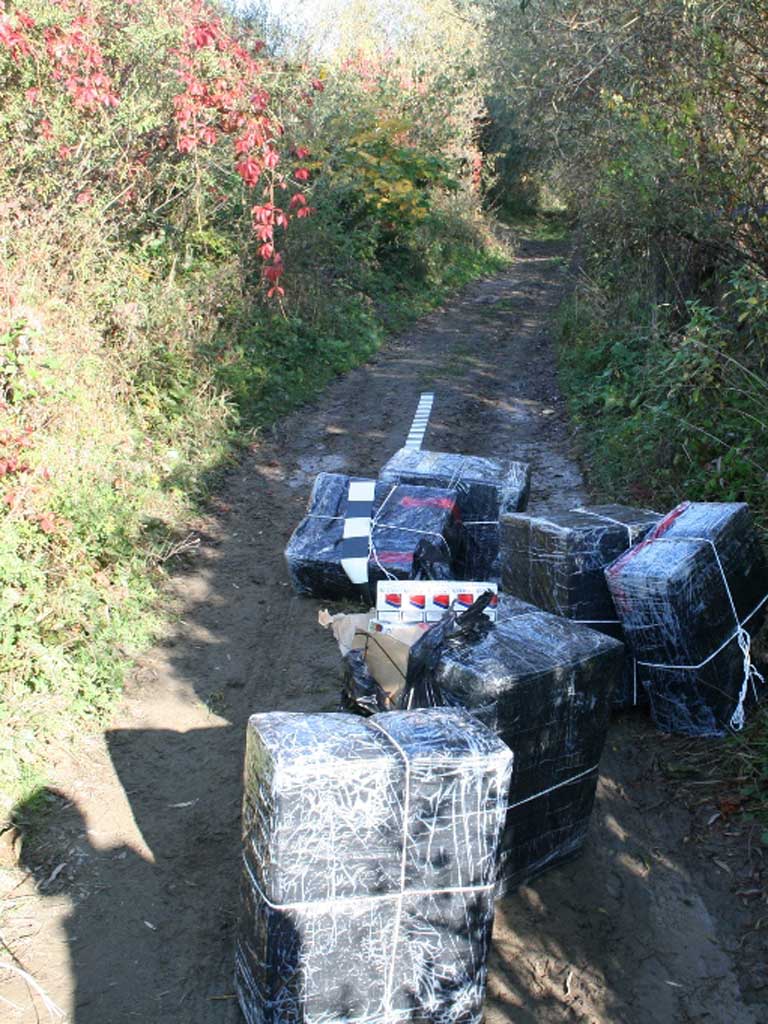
x=667 y=409
x=138 y=393
x=539 y=226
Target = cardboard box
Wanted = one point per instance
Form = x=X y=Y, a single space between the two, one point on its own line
x=428 y=600
x=385 y=646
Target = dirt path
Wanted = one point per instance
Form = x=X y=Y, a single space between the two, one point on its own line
x=127 y=913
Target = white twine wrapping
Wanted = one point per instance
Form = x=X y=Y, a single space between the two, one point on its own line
x=740 y=634
x=558 y=785
x=376 y=525
x=54 y=1011
x=612 y=622
x=398 y=896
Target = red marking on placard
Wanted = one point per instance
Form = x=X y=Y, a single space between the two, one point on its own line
x=394 y=600
x=442 y=600
x=466 y=600
x=418 y=601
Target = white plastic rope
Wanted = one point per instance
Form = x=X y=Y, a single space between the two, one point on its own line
x=376 y=897
x=390 y=982
x=559 y=785
x=372 y=553
x=455 y=482
x=606 y=519
x=397 y=896
x=598 y=622
x=359 y=531
x=376 y=525
x=420 y=423
x=613 y=622
x=54 y=1011
x=740 y=634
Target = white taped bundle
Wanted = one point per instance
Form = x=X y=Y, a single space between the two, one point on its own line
x=690 y=597
x=370 y=852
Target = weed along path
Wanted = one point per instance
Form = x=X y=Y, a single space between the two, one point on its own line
x=125 y=910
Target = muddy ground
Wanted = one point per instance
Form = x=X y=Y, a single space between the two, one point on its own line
x=125 y=907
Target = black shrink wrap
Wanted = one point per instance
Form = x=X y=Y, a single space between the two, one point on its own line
x=543 y=685
x=370 y=849
x=360 y=693
x=690 y=597
x=557 y=561
x=403 y=517
x=487 y=488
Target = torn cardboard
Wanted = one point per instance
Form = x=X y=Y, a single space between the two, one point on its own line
x=385 y=646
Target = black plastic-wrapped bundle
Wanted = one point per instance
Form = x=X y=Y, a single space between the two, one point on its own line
x=403 y=516
x=360 y=693
x=557 y=562
x=370 y=849
x=432 y=561
x=543 y=685
x=487 y=488
x=690 y=597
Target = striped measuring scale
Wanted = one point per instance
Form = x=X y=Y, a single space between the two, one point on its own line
x=356 y=542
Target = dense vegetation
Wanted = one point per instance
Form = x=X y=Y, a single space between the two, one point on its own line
x=648 y=121
x=197 y=230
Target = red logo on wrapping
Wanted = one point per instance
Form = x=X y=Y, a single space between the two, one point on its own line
x=410 y=502
x=418 y=601
x=465 y=600
x=441 y=600
x=394 y=600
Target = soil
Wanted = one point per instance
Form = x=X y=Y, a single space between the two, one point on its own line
x=125 y=905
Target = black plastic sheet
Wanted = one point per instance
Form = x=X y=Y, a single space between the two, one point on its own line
x=403 y=516
x=432 y=561
x=360 y=693
x=690 y=597
x=487 y=488
x=543 y=685
x=369 y=856
x=557 y=562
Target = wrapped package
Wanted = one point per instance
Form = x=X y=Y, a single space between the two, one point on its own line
x=557 y=562
x=370 y=850
x=360 y=692
x=431 y=561
x=403 y=516
x=690 y=597
x=487 y=488
x=543 y=685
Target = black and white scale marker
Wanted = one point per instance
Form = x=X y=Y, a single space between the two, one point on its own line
x=356 y=541
x=420 y=421
x=355 y=546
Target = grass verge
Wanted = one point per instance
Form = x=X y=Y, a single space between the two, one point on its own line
x=667 y=406
x=128 y=388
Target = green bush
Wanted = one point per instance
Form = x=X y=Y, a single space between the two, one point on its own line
x=672 y=411
x=138 y=348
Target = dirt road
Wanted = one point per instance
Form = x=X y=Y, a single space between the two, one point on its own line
x=127 y=910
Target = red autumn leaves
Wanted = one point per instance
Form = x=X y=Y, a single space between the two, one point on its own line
x=16 y=471
x=227 y=97
x=224 y=96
